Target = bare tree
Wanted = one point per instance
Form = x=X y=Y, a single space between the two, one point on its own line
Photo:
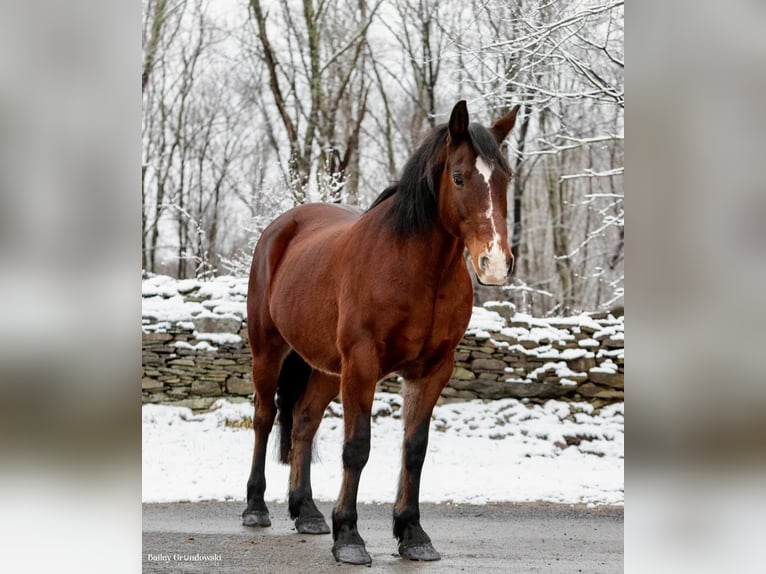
x=160 y=148
x=193 y=137
x=249 y=112
x=564 y=63
x=322 y=73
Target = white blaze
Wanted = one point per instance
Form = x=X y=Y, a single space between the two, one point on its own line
x=497 y=266
x=485 y=170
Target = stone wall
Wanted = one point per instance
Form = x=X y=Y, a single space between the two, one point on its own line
x=185 y=376
x=576 y=359
x=194 y=343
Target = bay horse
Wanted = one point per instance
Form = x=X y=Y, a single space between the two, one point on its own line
x=337 y=300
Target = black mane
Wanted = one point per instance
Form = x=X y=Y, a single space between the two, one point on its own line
x=415 y=194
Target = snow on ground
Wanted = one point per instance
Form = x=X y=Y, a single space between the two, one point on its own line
x=501 y=450
x=478 y=452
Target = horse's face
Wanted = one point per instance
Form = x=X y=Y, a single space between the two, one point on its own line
x=472 y=197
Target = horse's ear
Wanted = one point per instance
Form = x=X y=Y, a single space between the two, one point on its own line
x=502 y=127
x=458 y=121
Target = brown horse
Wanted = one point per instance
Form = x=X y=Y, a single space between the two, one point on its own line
x=338 y=299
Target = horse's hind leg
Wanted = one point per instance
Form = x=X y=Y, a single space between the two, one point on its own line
x=266 y=366
x=307 y=416
x=420 y=396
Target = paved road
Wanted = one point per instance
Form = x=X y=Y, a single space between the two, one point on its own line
x=506 y=538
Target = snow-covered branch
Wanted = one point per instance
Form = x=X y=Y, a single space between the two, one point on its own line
x=591 y=173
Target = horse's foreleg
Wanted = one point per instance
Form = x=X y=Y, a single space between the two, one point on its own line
x=420 y=396
x=321 y=389
x=265 y=377
x=357 y=391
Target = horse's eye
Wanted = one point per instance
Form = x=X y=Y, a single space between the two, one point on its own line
x=457 y=178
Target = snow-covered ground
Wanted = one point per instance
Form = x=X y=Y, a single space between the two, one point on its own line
x=501 y=450
x=478 y=452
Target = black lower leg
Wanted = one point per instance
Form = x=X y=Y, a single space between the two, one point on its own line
x=301 y=504
x=348 y=544
x=265 y=380
x=300 y=500
x=255 y=490
x=257 y=513
x=308 y=519
x=414 y=543
x=407 y=511
x=356 y=451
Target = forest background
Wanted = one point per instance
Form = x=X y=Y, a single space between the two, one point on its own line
x=250 y=108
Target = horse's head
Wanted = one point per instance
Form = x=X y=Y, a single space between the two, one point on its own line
x=472 y=195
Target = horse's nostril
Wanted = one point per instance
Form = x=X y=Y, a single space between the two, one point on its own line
x=511 y=263
x=483 y=262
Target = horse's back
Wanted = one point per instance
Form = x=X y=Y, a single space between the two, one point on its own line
x=313 y=222
x=313 y=217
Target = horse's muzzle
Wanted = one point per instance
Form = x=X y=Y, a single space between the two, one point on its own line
x=494 y=267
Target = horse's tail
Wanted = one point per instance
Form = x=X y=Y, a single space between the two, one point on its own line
x=293 y=379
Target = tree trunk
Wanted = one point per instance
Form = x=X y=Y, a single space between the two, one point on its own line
x=154 y=39
x=518 y=182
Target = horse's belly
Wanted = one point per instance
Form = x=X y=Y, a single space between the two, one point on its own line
x=313 y=337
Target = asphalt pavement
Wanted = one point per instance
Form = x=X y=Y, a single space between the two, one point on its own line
x=208 y=537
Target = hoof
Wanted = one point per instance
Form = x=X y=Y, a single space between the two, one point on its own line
x=425 y=552
x=313 y=525
x=351 y=554
x=259 y=518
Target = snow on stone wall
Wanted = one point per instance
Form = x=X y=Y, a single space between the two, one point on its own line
x=194 y=350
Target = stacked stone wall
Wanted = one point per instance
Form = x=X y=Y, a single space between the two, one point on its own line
x=202 y=355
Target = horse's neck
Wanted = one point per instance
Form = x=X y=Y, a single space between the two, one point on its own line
x=436 y=255
x=444 y=247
